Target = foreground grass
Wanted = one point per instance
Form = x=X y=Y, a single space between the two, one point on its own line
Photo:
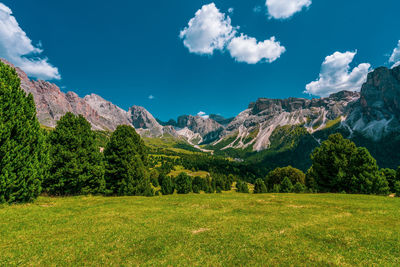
x=208 y=230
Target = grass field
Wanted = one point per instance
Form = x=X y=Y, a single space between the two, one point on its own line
x=205 y=230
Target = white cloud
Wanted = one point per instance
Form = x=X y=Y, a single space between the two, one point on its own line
x=16 y=47
x=231 y=10
x=284 y=9
x=203 y=115
x=249 y=50
x=336 y=76
x=210 y=30
x=151 y=97
x=395 y=57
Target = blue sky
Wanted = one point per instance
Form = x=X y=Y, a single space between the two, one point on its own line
x=126 y=51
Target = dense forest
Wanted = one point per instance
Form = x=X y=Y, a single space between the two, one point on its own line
x=72 y=159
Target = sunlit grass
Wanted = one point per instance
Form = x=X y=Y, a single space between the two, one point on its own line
x=204 y=230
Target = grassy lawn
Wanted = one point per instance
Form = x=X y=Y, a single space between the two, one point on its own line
x=204 y=230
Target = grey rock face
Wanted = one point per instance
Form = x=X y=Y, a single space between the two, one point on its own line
x=377 y=113
x=206 y=127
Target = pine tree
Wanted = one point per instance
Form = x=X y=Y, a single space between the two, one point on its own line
x=259 y=187
x=167 y=186
x=183 y=183
x=76 y=162
x=286 y=186
x=125 y=164
x=299 y=188
x=23 y=152
x=242 y=187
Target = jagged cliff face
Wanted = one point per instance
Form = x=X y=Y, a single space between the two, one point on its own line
x=208 y=129
x=254 y=126
x=377 y=113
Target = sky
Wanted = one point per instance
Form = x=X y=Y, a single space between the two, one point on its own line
x=215 y=57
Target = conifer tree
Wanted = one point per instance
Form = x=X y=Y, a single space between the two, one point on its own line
x=167 y=186
x=338 y=165
x=286 y=186
x=183 y=183
x=125 y=164
x=76 y=162
x=23 y=152
x=259 y=187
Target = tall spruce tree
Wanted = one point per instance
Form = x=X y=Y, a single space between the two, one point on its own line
x=23 y=153
x=76 y=162
x=126 y=164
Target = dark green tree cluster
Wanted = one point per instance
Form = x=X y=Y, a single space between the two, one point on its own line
x=23 y=152
x=284 y=179
x=340 y=166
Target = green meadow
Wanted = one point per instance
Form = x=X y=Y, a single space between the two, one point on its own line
x=203 y=230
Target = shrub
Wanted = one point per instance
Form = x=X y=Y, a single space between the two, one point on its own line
x=279 y=174
x=286 y=185
x=338 y=165
x=126 y=172
x=167 y=186
x=23 y=152
x=183 y=183
x=259 y=187
x=76 y=162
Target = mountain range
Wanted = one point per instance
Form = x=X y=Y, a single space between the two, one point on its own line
x=265 y=131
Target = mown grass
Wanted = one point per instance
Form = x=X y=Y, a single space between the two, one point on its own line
x=204 y=230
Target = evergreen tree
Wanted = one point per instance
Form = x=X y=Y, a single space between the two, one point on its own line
x=23 y=152
x=299 y=188
x=242 y=187
x=167 y=186
x=396 y=188
x=198 y=184
x=286 y=186
x=259 y=187
x=76 y=162
x=390 y=176
x=183 y=183
x=338 y=165
x=125 y=164
x=276 y=188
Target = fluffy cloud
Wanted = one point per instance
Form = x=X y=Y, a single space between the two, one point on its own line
x=210 y=30
x=151 y=97
x=203 y=115
x=284 y=9
x=16 y=47
x=336 y=76
x=395 y=57
x=249 y=50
